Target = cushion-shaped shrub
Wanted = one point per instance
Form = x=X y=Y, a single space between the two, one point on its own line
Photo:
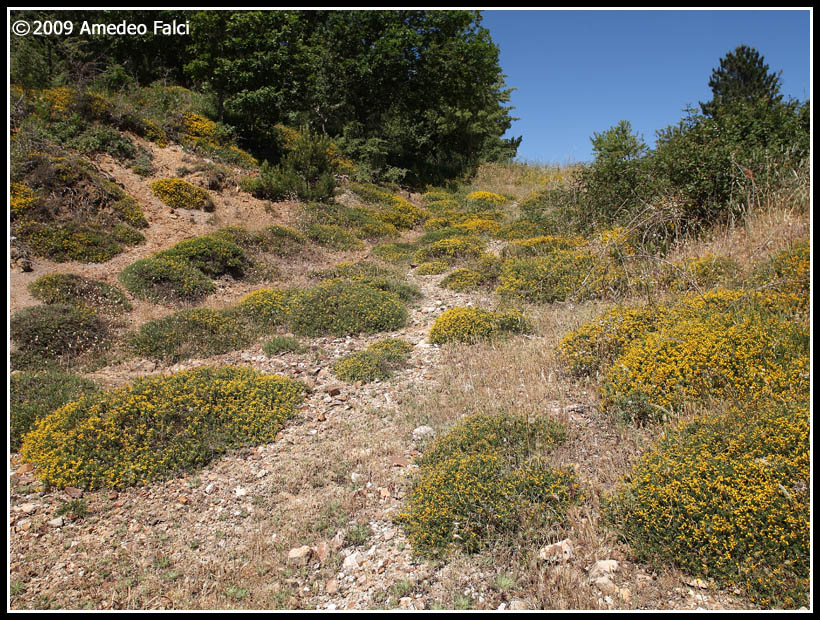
x=212 y=255
x=158 y=426
x=35 y=394
x=198 y=332
x=268 y=307
x=282 y=344
x=378 y=361
x=57 y=332
x=166 y=280
x=342 y=308
x=727 y=497
x=470 y=325
x=476 y=489
x=463 y=280
x=433 y=267
x=451 y=248
x=69 y=288
x=542 y=245
x=180 y=194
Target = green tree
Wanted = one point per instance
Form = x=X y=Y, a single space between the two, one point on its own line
x=742 y=77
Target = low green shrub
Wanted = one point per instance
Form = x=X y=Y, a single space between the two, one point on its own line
x=488 y=482
x=156 y=427
x=342 y=308
x=395 y=252
x=212 y=255
x=378 y=361
x=197 y=332
x=166 y=280
x=68 y=288
x=470 y=325
x=726 y=497
x=331 y=236
x=35 y=394
x=463 y=280
x=282 y=344
x=56 y=332
x=701 y=272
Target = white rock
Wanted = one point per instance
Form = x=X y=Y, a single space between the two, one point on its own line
x=562 y=551
x=603 y=568
x=352 y=561
x=423 y=433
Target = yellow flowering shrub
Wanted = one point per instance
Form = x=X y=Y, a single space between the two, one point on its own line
x=433 y=267
x=470 y=325
x=727 y=497
x=486 y=199
x=519 y=229
x=394 y=252
x=463 y=279
x=153 y=132
x=451 y=248
x=22 y=199
x=542 y=245
x=788 y=272
x=563 y=274
x=156 y=427
x=618 y=241
x=199 y=126
x=479 y=226
x=733 y=355
x=269 y=307
x=596 y=344
x=179 y=194
x=485 y=482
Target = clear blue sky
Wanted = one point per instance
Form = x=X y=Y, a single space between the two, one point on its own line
x=579 y=72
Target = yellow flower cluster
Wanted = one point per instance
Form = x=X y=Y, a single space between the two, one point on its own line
x=199 y=126
x=463 y=280
x=180 y=194
x=451 y=248
x=486 y=481
x=727 y=497
x=470 y=325
x=543 y=245
x=268 y=306
x=560 y=275
x=21 y=200
x=158 y=426
x=432 y=267
x=153 y=132
x=486 y=198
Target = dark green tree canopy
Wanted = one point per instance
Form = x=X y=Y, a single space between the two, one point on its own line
x=742 y=77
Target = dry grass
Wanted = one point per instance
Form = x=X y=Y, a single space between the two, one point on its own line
x=518 y=179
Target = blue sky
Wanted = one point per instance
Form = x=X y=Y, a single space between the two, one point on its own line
x=579 y=72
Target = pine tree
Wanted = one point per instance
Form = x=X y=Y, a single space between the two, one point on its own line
x=742 y=77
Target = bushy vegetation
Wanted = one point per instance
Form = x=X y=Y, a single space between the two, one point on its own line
x=342 y=308
x=55 y=333
x=210 y=254
x=269 y=307
x=68 y=288
x=179 y=194
x=470 y=325
x=197 y=332
x=561 y=275
x=166 y=280
x=62 y=209
x=450 y=249
x=35 y=394
x=488 y=481
x=727 y=497
x=282 y=344
x=158 y=426
x=379 y=361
